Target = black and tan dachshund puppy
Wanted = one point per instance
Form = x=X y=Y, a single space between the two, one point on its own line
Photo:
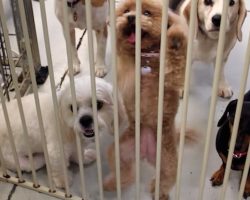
x=241 y=147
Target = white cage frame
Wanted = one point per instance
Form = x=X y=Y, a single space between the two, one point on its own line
x=50 y=189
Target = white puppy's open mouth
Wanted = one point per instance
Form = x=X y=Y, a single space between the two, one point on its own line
x=214 y=30
x=89 y=133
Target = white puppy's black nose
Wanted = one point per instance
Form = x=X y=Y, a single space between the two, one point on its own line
x=216 y=20
x=131 y=19
x=86 y=121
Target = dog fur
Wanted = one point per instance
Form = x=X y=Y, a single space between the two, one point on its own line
x=77 y=19
x=225 y=125
x=207 y=33
x=70 y=125
x=174 y=78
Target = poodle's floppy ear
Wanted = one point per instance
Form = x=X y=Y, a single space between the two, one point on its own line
x=241 y=18
x=185 y=11
x=230 y=109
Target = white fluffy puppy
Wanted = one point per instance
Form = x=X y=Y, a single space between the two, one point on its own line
x=70 y=124
x=77 y=19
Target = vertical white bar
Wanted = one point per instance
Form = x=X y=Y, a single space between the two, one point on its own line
x=15 y=82
x=51 y=72
x=164 y=25
x=115 y=90
x=93 y=86
x=236 y=121
x=10 y=135
x=137 y=96
x=219 y=59
x=37 y=101
x=191 y=35
x=72 y=86
x=244 y=175
x=34 y=85
x=3 y=166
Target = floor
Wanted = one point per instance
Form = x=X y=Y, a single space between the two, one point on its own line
x=197 y=117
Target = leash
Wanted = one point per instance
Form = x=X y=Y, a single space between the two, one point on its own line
x=59 y=85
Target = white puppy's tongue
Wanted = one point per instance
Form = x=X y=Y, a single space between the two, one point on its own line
x=131 y=38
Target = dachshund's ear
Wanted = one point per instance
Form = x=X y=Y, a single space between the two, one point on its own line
x=231 y=107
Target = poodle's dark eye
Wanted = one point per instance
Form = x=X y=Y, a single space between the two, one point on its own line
x=147 y=13
x=99 y=105
x=231 y=3
x=208 y=2
x=126 y=11
x=71 y=108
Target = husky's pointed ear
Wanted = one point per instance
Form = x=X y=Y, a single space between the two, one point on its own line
x=241 y=18
x=185 y=11
x=230 y=109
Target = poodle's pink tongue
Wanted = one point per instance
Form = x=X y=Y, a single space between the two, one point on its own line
x=131 y=38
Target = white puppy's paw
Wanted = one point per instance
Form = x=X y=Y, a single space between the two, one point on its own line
x=59 y=180
x=100 y=71
x=225 y=91
x=89 y=156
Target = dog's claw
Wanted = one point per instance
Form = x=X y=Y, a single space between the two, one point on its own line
x=109 y=183
x=89 y=156
x=225 y=91
x=100 y=71
x=76 y=69
x=246 y=194
x=217 y=178
x=152 y=191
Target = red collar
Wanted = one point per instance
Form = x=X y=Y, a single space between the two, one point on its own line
x=239 y=155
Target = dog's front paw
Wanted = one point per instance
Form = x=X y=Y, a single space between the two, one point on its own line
x=217 y=178
x=225 y=91
x=76 y=68
x=109 y=183
x=89 y=156
x=246 y=193
x=152 y=191
x=59 y=180
x=100 y=71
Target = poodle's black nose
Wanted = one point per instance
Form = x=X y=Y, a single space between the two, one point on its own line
x=86 y=121
x=131 y=19
x=216 y=20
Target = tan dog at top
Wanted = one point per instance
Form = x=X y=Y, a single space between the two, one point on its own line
x=209 y=16
x=174 y=78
